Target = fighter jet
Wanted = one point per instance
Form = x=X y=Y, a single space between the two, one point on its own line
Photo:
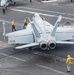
x=5 y=3
x=41 y=34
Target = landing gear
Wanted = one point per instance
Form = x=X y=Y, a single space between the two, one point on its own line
x=30 y=48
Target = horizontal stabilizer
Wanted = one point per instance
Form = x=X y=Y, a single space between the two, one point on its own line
x=55 y=26
x=28 y=45
x=64 y=42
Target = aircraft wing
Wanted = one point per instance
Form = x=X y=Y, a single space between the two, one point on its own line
x=64 y=42
x=28 y=45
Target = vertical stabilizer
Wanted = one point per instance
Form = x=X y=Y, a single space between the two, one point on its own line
x=34 y=29
x=39 y=23
x=55 y=26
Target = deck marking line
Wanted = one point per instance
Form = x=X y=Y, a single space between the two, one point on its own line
x=30 y=12
x=44 y=10
x=12 y=57
x=52 y=69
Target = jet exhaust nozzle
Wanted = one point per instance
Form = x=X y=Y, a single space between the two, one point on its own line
x=52 y=44
x=43 y=45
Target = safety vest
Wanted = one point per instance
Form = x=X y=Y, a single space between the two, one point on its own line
x=68 y=60
x=13 y=23
x=25 y=20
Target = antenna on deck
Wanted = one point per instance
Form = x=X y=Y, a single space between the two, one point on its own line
x=4 y=29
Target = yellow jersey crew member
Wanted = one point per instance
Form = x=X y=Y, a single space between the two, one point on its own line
x=25 y=23
x=68 y=62
x=13 y=25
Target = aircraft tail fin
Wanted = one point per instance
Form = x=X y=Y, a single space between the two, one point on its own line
x=35 y=29
x=38 y=22
x=55 y=26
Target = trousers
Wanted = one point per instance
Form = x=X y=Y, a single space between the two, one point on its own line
x=13 y=28
x=68 y=67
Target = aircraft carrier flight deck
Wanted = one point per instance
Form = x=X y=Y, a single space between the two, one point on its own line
x=35 y=62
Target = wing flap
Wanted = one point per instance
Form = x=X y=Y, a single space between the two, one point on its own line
x=28 y=45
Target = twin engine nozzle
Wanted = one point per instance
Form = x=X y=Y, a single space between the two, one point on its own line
x=44 y=45
x=51 y=44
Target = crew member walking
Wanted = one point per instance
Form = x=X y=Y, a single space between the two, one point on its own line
x=25 y=23
x=13 y=25
x=68 y=62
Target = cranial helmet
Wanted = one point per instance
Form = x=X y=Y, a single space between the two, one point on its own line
x=68 y=56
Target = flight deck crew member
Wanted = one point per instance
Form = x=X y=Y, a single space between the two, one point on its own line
x=25 y=23
x=68 y=62
x=13 y=25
